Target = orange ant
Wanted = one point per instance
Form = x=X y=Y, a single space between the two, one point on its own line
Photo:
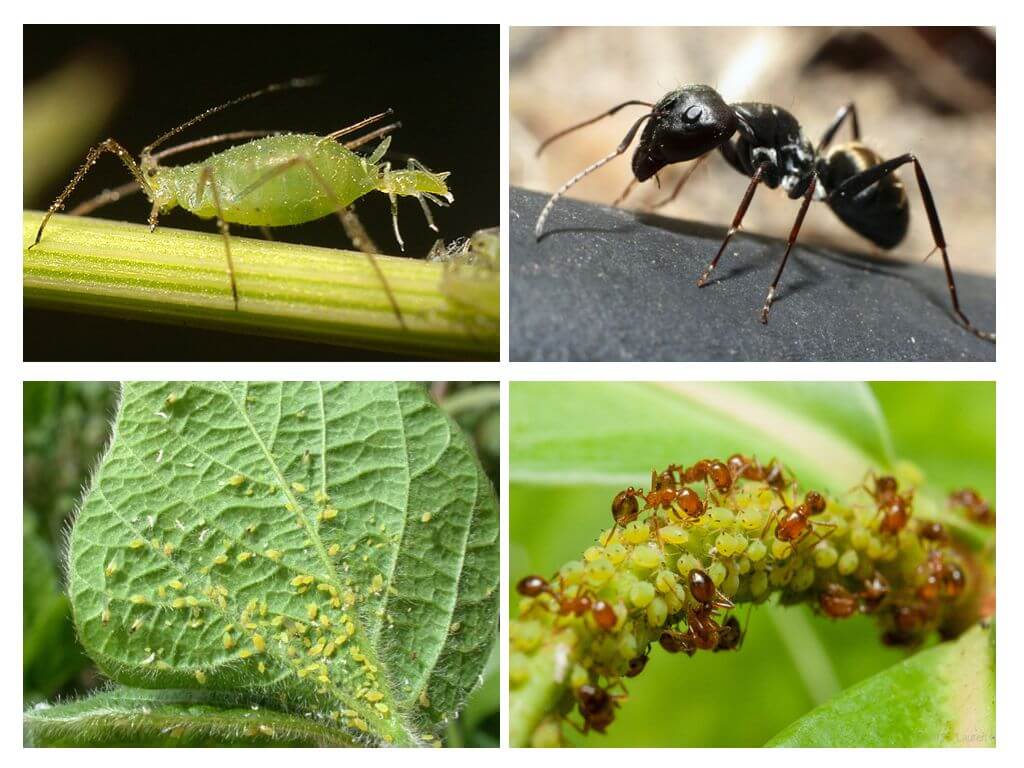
x=976 y=507
x=942 y=579
x=703 y=629
x=597 y=707
x=578 y=605
x=876 y=589
x=893 y=507
x=674 y=641
x=731 y=634
x=933 y=532
x=837 y=601
x=796 y=524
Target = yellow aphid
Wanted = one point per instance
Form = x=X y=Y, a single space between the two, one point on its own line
x=273 y=554
x=329 y=650
x=316 y=649
x=245 y=653
x=674 y=534
x=424 y=700
x=426 y=517
x=178 y=602
x=201 y=677
x=243 y=556
x=168 y=550
x=298 y=487
x=312 y=610
x=236 y=480
x=321 y=498
x=105 y=616
x=229 y=641
x=259 y=643
x=175 y=584
x=220 y=559
x=376 y=583
x=137 y=544
x=329 y=513
x=262 y=668
x=374 y=696
x=111 y=568
x=136 y=626
x=333 y=550
x=382 y=708
x=139 y=599
x=636 y=533
x=360 y=724
x=302 y=581
x=646 y=556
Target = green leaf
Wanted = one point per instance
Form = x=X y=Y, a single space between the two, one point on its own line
x=130 y=717
x=941 y=697
x=229 y=520
x=614 y=433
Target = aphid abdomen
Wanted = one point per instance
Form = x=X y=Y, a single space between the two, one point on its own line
x=277 y=181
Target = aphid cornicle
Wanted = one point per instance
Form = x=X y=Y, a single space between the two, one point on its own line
x=273 y=180
x=766 y=143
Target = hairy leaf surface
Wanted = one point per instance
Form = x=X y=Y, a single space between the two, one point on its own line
x=329 y=548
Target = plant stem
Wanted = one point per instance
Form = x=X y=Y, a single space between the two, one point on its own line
x=292 y=291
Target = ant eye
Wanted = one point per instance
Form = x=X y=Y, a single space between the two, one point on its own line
x=692 y=115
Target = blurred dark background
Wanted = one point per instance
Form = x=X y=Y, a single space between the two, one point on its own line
x=135 y=82
x=66 y=425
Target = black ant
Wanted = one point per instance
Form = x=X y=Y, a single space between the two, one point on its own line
x=766 y=143
x=578 y=605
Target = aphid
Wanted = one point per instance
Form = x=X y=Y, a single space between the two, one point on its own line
x=272 y=180
x=766 y=143
x=837 y=601
x=974 y=505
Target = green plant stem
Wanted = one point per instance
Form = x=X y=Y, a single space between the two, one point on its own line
x=293 y=291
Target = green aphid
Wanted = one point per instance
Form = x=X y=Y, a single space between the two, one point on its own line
x=272 y=180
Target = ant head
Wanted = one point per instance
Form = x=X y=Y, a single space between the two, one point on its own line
x=687 y=123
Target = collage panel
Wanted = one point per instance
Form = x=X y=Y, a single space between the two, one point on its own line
x=812 y=564
x=317 y=202
x=752 y=194
x=261 y=564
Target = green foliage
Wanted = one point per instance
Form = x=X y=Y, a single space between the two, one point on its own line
x=942 y=697
x=328 y=551
x=575 y=444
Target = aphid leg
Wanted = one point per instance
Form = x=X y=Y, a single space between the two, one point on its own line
x=356 y=232
x=326 y=188
x=90 y=160
x=808 y=196
x=856 y=184
x=848 y=110
x=206 y=178
x=681 y=183
x=737 y=222
x=106 y=197
x=623 y=146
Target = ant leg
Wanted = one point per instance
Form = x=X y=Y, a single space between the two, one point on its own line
x=808 y=196
x=681 y=183
x=326 y=188
x=90 y=160
x=623 y=146
x=865 y=179
x=206 y=178
x=737 y=221
x=848 y=110
x=106 y=197
x=625 y=193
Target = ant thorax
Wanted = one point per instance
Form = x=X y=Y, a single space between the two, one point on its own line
x=770 y=134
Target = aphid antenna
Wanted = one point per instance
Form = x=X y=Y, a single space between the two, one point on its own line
x=623 y=146
x=357 y=126
x=298 y=82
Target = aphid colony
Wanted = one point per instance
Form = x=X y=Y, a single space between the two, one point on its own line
x=718 y=533
x=313 y=632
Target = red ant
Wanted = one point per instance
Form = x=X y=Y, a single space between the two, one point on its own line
x=837 y=601
x=976 y=507
x=876 y=589
x=578 y=605
x=625 y=508
x=933 y=532
x=703 y=629
x=675 y=641
x=796 y=523
x=597 y=707
x=637 y=664
x=893 y=507
x=731 y=634
x=942 y=579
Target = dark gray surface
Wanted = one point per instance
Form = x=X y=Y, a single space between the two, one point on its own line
x=608 y=284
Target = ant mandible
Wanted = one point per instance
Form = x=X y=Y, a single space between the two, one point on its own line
x=766 y=143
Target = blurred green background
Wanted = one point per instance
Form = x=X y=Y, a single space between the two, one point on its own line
x=791 y=660
x=66 y=425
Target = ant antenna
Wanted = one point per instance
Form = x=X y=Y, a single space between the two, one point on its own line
x=585 y=123
x=298 y=82
x=623 y=146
